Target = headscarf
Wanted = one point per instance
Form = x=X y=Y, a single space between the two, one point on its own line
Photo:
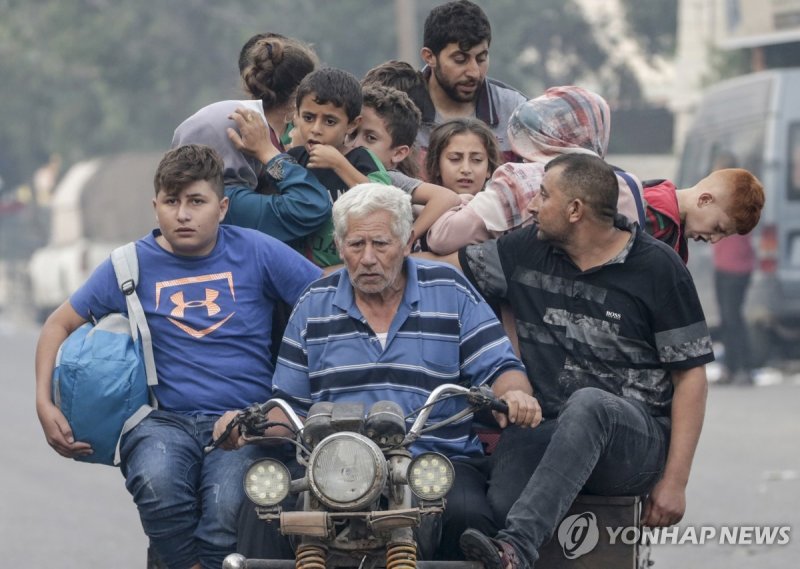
x=563 y=120
x=209 y=126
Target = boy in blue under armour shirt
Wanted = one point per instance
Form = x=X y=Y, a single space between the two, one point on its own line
x=208 y=293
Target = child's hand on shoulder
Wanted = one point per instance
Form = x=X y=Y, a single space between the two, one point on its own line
x=325 y=156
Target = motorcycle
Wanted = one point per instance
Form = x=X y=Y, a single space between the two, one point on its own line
x=363 y=492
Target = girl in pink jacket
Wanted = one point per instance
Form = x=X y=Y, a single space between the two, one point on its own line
x=563 y=120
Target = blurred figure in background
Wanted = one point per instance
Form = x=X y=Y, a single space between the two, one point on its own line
x=734 y=262
x=45 y=178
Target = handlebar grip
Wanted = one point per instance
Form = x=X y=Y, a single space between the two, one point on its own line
x=498 y=405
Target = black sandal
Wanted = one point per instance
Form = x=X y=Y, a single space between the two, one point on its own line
x=493 y=553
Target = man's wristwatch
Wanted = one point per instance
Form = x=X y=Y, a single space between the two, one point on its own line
x=275 y=167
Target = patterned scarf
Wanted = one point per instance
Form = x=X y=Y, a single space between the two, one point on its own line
x=563 y=120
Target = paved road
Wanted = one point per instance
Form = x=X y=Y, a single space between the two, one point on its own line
x=58 y=513
x=55 y=512
x=746 y=472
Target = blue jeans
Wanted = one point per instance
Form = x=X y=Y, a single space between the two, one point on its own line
x=731 y=291
x=466 y=507
x=600 y=443
x=188 y=501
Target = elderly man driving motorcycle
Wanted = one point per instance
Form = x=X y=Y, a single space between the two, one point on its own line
x=391 y=327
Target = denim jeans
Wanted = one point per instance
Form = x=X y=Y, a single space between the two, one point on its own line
x=600 y=443
x=731 y=291
x=188 y=501
x=466 y=507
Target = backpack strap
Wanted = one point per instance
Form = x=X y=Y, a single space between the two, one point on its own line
x=637 y=196
x=126 y=268
x=129 y=424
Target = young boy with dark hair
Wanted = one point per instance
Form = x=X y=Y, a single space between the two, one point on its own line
x=328 y=110
x=725 y=202
x=208 y=293
x=393 y=121
x=389 y=123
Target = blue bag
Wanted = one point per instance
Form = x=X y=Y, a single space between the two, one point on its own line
x=100 y=380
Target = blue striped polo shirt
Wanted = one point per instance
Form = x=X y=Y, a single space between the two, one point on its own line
x=443 y=332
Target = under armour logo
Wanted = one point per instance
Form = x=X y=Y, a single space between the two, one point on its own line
x=181 y=305
x=210 y=302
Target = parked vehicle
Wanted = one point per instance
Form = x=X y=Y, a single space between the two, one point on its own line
x=755 y=120
x=98 y=205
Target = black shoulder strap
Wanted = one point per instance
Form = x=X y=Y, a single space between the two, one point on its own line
x=637 y=197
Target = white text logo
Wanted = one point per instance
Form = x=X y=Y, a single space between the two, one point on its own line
x=578 y=535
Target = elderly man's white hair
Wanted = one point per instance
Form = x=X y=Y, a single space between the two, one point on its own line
x=365 y=199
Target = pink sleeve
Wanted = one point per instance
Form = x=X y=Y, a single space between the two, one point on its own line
x=458 y=227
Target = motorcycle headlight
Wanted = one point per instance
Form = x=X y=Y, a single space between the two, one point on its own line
x=347 y=471
x=266 y=482
x=430 y=476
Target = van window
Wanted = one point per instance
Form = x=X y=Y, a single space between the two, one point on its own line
x=793 y=160
x=731 y=122
x=737 y=144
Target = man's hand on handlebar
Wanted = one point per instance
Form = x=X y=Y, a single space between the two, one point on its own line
x=523 y=410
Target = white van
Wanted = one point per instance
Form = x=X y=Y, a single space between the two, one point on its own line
x=98 y=205
x=756 y=119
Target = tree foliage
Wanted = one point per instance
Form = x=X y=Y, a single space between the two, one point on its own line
x=85 y=77
x=550 y=45
x=653 y=23
x=88 y=77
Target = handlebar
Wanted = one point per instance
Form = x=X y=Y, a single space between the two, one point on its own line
x=297 y=423
x=498 y=405
x=478 y=398
x=253 y=418
x=483 y=397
